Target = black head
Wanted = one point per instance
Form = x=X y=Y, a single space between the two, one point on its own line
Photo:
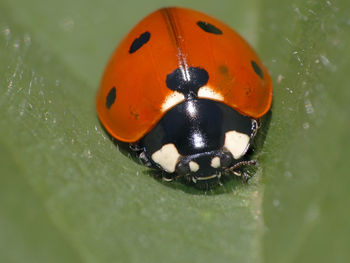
x=198 y=138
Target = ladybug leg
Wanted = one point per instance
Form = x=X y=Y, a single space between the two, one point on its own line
x=135 y=147
x=140 y=150
x=167 y=179
x=219 y=181
x=170 y=179
x=242 y=163
x=255 y=127
x=244 y=175
x=144 y=159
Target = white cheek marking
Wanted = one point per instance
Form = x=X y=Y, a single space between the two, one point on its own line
x=194 y=167
x=206 y=92
x=167 y=157
x=215 y=162
x=237 y=143
x=172 y=99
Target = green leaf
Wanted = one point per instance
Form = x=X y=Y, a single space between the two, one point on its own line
x=68 y=194
x=305 y=203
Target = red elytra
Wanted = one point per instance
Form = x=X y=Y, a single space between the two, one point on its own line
x=134 y=95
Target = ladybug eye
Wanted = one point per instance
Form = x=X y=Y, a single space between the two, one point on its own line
x=183 y=168
x=111 y=97
x=209 y=28
x=225 y=159
x=139 y=42
x=257 y=69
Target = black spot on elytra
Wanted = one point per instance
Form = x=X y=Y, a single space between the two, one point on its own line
x=257 y=69
x=139 y=42
x=187 y=81
x=209 y=28
x=111 y=97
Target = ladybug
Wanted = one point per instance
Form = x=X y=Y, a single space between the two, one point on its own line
x=186 y=92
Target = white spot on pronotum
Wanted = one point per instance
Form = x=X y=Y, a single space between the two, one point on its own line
x=215 y=162
x=237 y=143
x=167 y=157
x=171 y=100
x=194 y=167
x=208 y=93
